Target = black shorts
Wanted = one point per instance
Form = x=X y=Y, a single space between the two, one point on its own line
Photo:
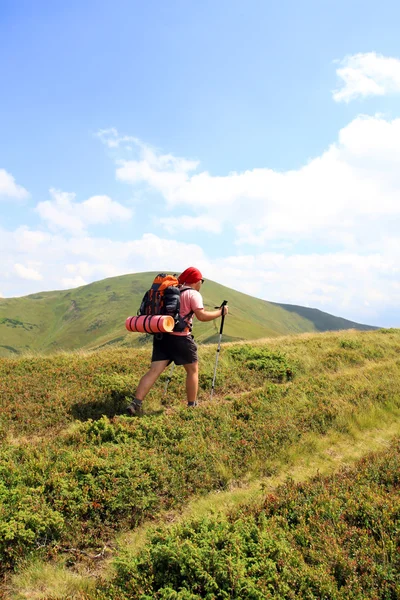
x=180 y=349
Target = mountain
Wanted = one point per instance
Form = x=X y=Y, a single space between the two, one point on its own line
x=93 y=316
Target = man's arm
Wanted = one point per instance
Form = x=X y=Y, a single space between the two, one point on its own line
x=210 y=315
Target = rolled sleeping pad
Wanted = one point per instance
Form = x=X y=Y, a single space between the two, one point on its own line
x=150 y=324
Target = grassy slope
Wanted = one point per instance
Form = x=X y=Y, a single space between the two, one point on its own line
x=96 y=578
x=94 y=315
x=85 y=480
x=322 y=321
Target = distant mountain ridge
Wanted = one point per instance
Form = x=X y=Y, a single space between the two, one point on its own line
x=93 y=316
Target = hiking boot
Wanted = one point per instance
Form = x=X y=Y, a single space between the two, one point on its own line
x=134 y=408
x=191 y=404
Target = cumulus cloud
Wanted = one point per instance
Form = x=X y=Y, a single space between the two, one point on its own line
x=62 y=212
x=150 y=162
x=112 y=139
x=344 y=204
x=27 y=272
x=367 y=74
x=187 y=223
x=28 y=240
x=338 y=196
x=9 y=188
x=73 y=282
x=69 y=261
x=163 y=172
x=84 y=270
x=359 y=287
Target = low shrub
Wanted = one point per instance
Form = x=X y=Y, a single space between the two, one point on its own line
x=274 y=365
x=335 y=537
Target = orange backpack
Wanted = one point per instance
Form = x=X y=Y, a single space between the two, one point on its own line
x=163 y=298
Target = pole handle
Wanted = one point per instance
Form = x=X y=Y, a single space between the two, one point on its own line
x=225 y=302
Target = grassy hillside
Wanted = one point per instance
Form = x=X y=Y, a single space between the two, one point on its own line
x=94 y=315
x=75 y=471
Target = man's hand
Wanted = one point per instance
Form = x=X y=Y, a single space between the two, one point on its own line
x=210 y=315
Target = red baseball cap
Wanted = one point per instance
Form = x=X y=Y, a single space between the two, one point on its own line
x=190 y=275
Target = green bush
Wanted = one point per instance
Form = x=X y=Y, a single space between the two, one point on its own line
x=352 y=344
x=333 y=538
x=27 y=520
x=273 y=365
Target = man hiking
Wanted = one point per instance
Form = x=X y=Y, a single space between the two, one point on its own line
x=178 y=347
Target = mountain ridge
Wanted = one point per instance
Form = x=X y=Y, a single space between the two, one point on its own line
x=93 y=316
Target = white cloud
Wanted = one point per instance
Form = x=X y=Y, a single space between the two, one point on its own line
x=68 y=261
x=59 y=212
x=101 y=209
x=27 y=272
x=368 y=74
x=73 y=282
x=345 y=203
x=344 y=284
x=163 y=172
x=342 y=197
x=151 y=164
x=62 y=212
x=186 y=223
x=9 y=188
x=85 y=270
x=111 y=138
x=30 y=241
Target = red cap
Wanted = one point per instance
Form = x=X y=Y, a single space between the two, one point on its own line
x=189 y=276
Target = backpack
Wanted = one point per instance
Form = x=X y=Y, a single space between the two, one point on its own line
x=164 y=298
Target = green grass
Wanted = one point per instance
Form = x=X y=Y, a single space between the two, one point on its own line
x=93 y=316
x=40 y=581
x=76 y=473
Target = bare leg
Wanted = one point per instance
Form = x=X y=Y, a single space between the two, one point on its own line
x=150 y=378
x=192 y=381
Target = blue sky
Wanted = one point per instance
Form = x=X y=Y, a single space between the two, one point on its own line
x=258 y=141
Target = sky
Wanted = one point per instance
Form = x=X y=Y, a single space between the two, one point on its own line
x=258 y=141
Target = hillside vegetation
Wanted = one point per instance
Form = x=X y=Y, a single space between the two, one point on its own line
x=335 y=537
x=94 y=315
x=74 y=471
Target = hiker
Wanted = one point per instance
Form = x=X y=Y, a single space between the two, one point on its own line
x=178 y=347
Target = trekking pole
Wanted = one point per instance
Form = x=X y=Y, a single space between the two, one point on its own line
x=219 y=344
x=169 y=378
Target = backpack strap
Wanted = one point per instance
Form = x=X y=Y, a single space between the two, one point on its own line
x=183 y=321
x=191 y=313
